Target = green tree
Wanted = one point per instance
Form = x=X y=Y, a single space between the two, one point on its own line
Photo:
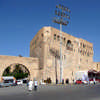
x=17 y=72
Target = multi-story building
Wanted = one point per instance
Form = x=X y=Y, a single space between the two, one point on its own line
x=77 y=54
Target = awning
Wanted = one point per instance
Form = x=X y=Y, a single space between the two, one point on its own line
x=92 y=71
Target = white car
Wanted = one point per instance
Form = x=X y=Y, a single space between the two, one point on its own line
x=92 y=82
x=42 y=83
x=19 y=82
x=85 y=82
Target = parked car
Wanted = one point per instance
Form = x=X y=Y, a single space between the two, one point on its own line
x=91 y=81
x=7 y=84
x=8 y=79
x=19 y=82
x=4 y=85
x=78 y=81
x=85 y=82
x=42 y=83
x=25 y=80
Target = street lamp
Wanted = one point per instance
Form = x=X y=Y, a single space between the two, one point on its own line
x=79 y=53
x=62 y=13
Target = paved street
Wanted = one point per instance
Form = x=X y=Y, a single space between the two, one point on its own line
x=55 y=92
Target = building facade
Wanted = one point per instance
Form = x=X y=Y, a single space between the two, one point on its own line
x=77 y=54
x=44 y=60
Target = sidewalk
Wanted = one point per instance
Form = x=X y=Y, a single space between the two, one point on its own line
x=70 y=85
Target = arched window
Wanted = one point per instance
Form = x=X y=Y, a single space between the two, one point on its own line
x=69 y=45
x=54 y=36
x=58 y=38
x=42 y=35
x=84 y=45
x=64 y=39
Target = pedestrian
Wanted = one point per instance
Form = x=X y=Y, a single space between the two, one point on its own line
x=67 y=81
x=30 y=85
x=73 y=80
x=62 y=81
x=56 y=81
x=35 y=85
x=27 y=83
x=94 y=80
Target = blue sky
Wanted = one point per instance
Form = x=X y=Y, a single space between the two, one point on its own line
x=20 y=20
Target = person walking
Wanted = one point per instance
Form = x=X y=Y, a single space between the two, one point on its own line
x=35 y=85
x=94 y=80
x=30 y=85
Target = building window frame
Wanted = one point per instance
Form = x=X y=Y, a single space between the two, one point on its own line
x=58 y=38
x=54 y=36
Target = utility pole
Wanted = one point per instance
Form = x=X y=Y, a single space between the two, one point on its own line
x=62 y=13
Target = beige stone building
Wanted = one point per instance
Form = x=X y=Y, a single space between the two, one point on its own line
x=77 y=54
x=44 y=62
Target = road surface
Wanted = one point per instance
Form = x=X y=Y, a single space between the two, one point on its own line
x=52 y=92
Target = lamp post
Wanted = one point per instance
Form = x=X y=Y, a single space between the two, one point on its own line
x=79 y=52
x=62 y=13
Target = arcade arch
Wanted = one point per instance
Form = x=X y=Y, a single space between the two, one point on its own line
x=19 y=71
x=31 y=65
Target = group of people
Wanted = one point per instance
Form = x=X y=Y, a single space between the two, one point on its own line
x=31 y=84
